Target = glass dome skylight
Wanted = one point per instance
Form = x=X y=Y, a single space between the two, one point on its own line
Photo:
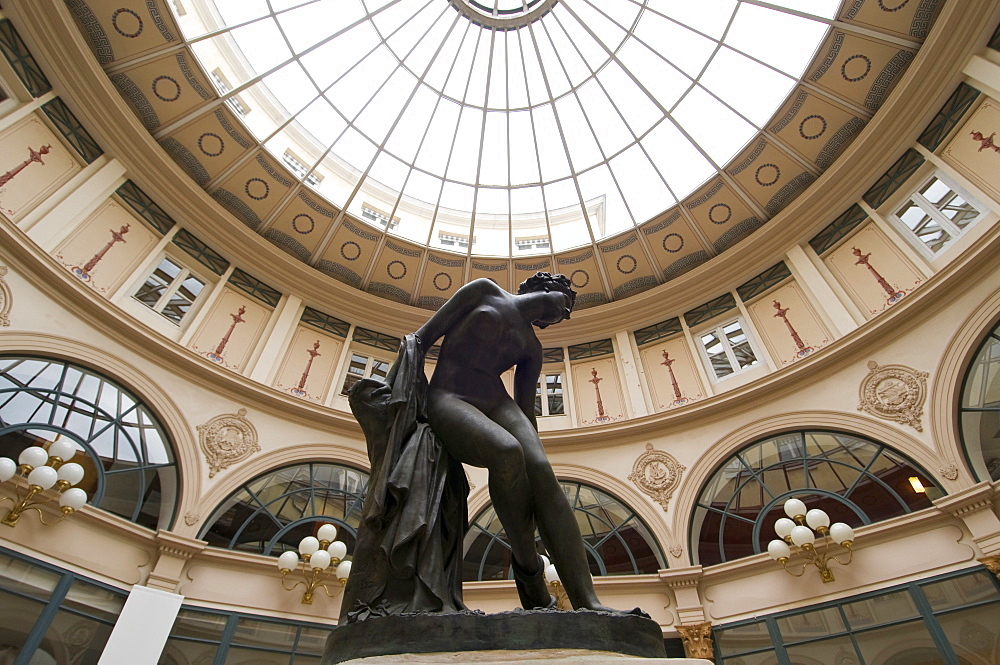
x=518 y=127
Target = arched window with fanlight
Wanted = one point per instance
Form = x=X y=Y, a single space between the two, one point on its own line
x=273 y=512
x=855 y=480
x=616 y=540
x=980 y=409
x=128 y=461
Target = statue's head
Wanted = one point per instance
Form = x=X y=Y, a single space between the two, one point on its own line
x=548 y=283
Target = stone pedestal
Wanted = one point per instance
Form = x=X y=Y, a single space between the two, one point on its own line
x=539 y=657
x=507 y=637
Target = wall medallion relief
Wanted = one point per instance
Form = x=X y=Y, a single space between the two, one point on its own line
x=227 y=439
x=894 y=392
x=950 y=471
x=657 y=474
x=6 y=299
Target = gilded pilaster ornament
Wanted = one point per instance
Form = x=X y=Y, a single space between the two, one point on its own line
x=227 y=439
x=894 y=392
x=657 y=474
x=6 y=298
x=949 y=471
x=992 y=563
x=697 y=639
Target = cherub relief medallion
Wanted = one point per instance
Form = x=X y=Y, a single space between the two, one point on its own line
x=227 y=439
x=894 y=392
x=657 y=474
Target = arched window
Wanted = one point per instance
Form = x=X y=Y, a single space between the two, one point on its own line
x=854 y=480
x=273 y=512
x=980 y=410
x=616 y=540
x=129 y=463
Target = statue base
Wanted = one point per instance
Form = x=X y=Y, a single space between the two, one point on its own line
x=604 y=634
x=537 y=657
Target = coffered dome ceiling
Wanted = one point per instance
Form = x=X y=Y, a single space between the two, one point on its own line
x=405 y=147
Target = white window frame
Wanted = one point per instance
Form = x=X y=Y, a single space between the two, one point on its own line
x=172 y=289
x=930 y=209
x=542 y=394
x=370 y=361
x=718 y=330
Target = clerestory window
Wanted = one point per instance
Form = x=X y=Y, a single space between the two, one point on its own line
x=936 y=213
x=170 y=290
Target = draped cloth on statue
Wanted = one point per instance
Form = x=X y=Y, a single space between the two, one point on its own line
x=408 y=556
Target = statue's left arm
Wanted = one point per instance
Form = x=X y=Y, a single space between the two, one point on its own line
x=526 y=375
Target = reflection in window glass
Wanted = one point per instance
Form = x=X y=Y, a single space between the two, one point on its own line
x=936 y=213
x=856 y=481
x=170 y=290
x=894 y=627
x=616 y=540
x=980 y=409
x=128 y=462
x=259 y=516
x=727 y=349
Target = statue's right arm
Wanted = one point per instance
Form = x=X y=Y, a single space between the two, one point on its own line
x=458 y=307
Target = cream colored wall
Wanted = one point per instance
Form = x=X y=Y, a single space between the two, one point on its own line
x=54 y=210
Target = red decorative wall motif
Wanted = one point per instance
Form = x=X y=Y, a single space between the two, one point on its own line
x=33 y=156
x=601 y=416
x=895 y=295
x=216 y=356
x=679 y=398
x=783 y=315
x=116 y=237
x=300 y=389
x=986 y=142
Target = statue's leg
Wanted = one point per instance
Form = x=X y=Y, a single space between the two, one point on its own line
x=556 y=522
x=472 y=438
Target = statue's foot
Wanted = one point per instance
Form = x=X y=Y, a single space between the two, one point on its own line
x=531 y=588
x=597 y=607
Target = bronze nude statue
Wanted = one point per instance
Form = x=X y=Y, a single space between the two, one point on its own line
x=409 y=550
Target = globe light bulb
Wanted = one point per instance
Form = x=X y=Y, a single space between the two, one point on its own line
x=817 y=519
x=778 y=549
x=7 y=469
x=795 y=508
x=802 y=536
x=327 y=532
x=783 y=527
x=551 y=574
x=308 y=545
x=72 y=473
x=288 y=560
x=343 y=570
x=841 y=533
x=319 y=559
x=64 y=449
x=545 y=561
x=33 y=456
x=43 y=476
x=337 y=550
x=74 y=498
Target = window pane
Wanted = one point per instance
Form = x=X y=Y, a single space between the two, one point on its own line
x=960 y=591
x=252 y=632
x=553 y=384
x=180 y=652
x=20 y=615
x=84 y=637
x=740 y=344
x=834 y=650
x=27 y=579
x=380 y=369
x=200 y=625
x=977 y=630
x=716 y=354
x=881 y=609
x=740 y=639
x=810 y=625
x=908 y=643
x=150 y=292
x=238 y=656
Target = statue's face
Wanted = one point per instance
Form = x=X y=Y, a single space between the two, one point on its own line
x=558 y=306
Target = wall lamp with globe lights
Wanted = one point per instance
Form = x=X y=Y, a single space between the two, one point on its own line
x=43 y=470
x=798 y=537
x=322 y=563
